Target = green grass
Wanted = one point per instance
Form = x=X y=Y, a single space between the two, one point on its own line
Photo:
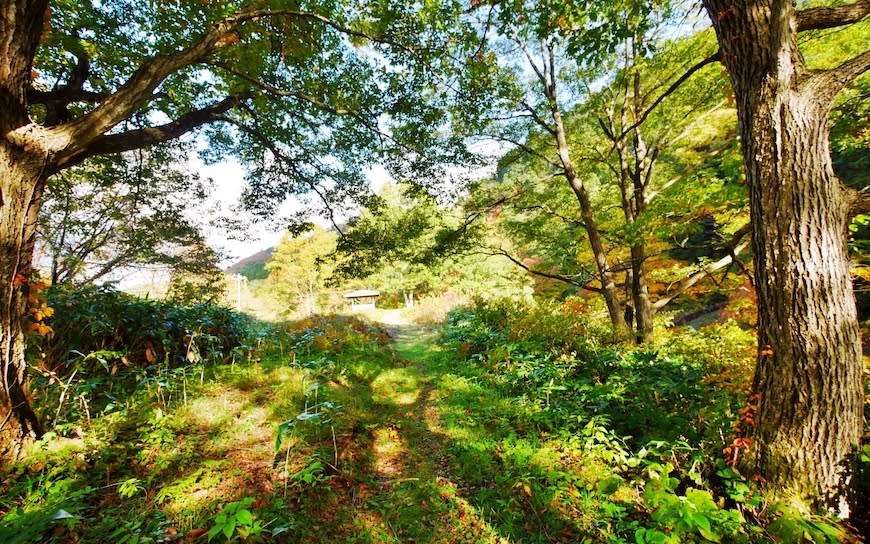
x=335 y=433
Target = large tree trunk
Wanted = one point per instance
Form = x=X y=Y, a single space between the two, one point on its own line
x=22 y=177
x=21 y=184
x=809 y=372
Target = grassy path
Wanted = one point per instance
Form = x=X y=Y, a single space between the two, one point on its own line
x=394 y=483
x=387 y=441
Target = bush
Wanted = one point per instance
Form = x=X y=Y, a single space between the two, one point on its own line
x=326 y=336
x=132 y=331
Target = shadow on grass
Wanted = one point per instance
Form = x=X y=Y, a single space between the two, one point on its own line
x=420 y=450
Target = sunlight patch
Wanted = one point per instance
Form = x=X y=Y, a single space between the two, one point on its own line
x=397 y=386
x=389 y=452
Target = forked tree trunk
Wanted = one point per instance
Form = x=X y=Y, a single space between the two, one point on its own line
x=809 y=371
x=609 y=290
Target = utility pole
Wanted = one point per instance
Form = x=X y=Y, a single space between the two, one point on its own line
x=239 y=279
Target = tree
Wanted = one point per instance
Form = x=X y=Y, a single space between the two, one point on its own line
x=394 y=244
x=809 y=377
x=119 y=212
x=201 y=280
x=300 y=269
x=606 y=144
x=297 y=91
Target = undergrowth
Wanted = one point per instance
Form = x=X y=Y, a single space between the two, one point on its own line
x=515 y=423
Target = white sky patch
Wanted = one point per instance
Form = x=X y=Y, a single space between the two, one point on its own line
x=255 y=236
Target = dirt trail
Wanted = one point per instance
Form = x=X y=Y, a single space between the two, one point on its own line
x=410 y=493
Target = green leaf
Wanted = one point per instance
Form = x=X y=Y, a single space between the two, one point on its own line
x=703 y=525
x=244 y=517
x=609 y=485
x=229 y=528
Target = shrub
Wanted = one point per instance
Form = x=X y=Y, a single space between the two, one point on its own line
x=133 y=331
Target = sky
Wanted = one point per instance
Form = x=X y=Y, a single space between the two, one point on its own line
x=229 y=182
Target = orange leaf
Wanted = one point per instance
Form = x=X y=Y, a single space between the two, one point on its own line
x=196 y=533
x=228 y=39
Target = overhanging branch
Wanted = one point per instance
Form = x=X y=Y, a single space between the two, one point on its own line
x=282 y=157
x=553 y=276
x=72 y=136
x=715 y=57
x=832 y=17
x=144 y=137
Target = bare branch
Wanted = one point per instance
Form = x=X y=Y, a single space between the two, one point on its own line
x=538 y=119
x=825 y=17
x=271 y=89
x=549 y=211
x=282 y=157
x=553 y=276
x=541 y=77
x=525 y=147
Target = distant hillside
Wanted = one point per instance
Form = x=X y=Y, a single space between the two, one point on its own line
x=253 y=267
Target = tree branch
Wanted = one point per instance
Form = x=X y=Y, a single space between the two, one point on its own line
x=734 y=247
x=72 y=136
x=80 y=133
x=824 y=17
x=715 y=57
x=134 y=139
x=538 y=119
x=559 y=277
x=63 y=95
x=271 y=89
x=524 y=147
x=826 y=84
x=282 y=157
x=860 y=202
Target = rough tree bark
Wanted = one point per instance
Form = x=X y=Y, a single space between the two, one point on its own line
x=809 y=371
x=23 y=163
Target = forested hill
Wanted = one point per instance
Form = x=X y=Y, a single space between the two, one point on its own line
x=252 y=266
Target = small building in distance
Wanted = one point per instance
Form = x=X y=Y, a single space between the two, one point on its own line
x=362 y=299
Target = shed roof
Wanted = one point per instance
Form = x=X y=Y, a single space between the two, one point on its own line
x=361 y=293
